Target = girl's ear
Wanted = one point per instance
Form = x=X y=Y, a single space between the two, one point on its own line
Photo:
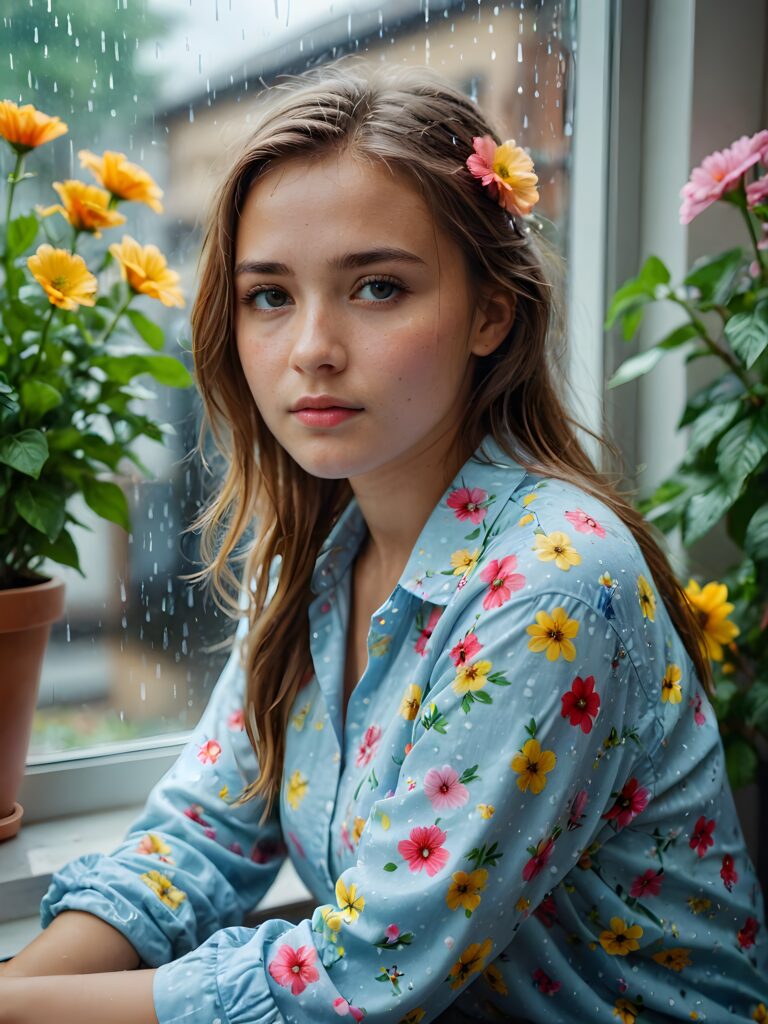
x=493 y=319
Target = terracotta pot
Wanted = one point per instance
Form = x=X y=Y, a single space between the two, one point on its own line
x=26 y=615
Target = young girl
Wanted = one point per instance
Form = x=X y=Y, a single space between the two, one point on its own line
x=468 y=698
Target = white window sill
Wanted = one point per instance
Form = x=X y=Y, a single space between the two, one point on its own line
x=28 y=861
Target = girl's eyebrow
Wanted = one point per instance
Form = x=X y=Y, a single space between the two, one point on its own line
x=347 y=261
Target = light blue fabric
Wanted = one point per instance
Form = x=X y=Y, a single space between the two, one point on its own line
x=527 y=817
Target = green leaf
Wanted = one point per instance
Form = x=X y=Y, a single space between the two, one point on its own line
x=22 y=232
x=645 y=361
x=26 y=452
x=704 y=510
x=757 y=706
x=107 y=500
x=711 y=423
x=723 y=390
x=42 y=508
x=63 y=551
x=165 y=369
x=149 y=331
x=743 y=448
x=725 y=691
x=715 y=277
x=38 y=398
x=748 y=334
x=756 y=538
x=169 y=371
x=740 y=761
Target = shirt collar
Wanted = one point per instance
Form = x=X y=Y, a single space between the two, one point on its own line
x=454 y=526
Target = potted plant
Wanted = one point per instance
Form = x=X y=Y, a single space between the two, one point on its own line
x=724 y=473
x=69 y=412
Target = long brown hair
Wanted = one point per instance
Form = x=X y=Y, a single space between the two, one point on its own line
x=418 y=123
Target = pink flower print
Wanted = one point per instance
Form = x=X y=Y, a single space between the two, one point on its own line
x=236 y=848
x=584 y=523
x=194 y=811
x=719 y=173
x=727 y=873
x=425 y=849
x=295 y=840
x=629 y=803
x=466 y=503
x=210 y=832
x=698 y=715
x=465 y=650
x=544 y=983
x=392 y=932
x=345 y=837
x=368 y=745
x=702 y=839
x=294 y=968
x=576 y=810
x=539 y=859
x=748 y=933
x=342 y=1008
x=443 y=788
x=647 y=884
x=236 y=720
x=426 y=633
x=325 y=607
x=210 y=752
x=503 y=581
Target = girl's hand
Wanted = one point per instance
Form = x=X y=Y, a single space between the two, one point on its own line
x=120 y=997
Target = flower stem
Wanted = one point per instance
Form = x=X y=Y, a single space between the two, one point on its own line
x=753 y=235
x=12 y=179
x=118 y=314
x=43 y=337
x=712 y=345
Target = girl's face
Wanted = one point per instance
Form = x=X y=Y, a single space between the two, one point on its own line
x=345 y=286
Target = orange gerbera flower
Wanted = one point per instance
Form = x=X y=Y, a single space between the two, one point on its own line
x=65 y=277
x=86 y=207
x=146 y=271
x=27 y=127
x=122 y=178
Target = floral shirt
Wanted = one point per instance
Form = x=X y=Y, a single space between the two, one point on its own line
x=525 y=818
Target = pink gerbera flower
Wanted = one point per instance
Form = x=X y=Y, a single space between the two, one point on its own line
x=647 y=884
x=424 y=849
x=702 y=839
x=466 y=503
x=294 y=968
x=443 y=788
x=581 y=702
x=210 y=752
x=584 y=523
x=757 y=191
x=629 y=803
x=720 y=172
x=503 y=581
x=507 y=171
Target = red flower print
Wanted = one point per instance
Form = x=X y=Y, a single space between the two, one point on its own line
x=466 y=503
x=194 y=811
x=368 y=746
x=426 y=633
x=210 y=752
x=698 y=715
x=539 y=859
x=294 y=968
x=465 y=650
x=392 y=932
x=424 y=849
x=546 y=912
x=210 y=833
x=647 y=884
x=629 y=803
x=727 y=873
x=581 y=702
x=443 y=788
x=544 y=983
x=265 y=850
x=236 y=720
x=236 y=848
x=702 y=839
x=576 y=810
x=748 y=933
x=584 y=523
x=342 y=1008
x=503 y=581
x=296 y=842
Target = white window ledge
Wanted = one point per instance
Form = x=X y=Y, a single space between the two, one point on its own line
x=28 y=861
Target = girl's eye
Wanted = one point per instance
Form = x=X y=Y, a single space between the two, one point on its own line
x=250 y=297
x=377 y=283
x=271 y=293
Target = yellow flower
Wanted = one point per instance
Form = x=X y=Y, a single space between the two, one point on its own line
x=411 y=702
x=626 y=1011
x=122 y=178
x=698 y=904
x=671 y=691
x=465 y=889
x=712 y=607
x=413 y=1016
x=145 y=269
x=527 y=518
x=606 y=579
x=486 y=810
x=553 y=634
x=522 y=905
x=495 y=979
x=297 y=789
x=463 y=562
x=357 y=829
x=621 y=938
x=531 y=496
x=67 y=281
x=470 y=962
x=674 y=959
x=557 y=547
x=760 y=1014
x=350 y=904
x=647 y=598
x=332 y=918
x=532 y=765
x=471 y=677
x=164 y=889
x=26 y=127
x=86 y=207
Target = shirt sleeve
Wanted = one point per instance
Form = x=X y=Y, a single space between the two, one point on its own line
x=525 y=747
x=191 y=862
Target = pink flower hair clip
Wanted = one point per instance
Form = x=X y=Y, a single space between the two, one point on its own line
x=506 y=171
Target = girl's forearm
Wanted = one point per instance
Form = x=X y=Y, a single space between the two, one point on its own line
x=120 y=997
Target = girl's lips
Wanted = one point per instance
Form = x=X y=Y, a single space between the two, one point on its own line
x=325 y=417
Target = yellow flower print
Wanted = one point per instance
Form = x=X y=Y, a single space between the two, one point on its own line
x=531 y=496
x=626 y=1011
x=332 y=919
x=164 y=888
x=465 y=889
x=712 y=607
x=671 y=691
x=621 y=938
x=698 y=904
x=495 y=979
x=224 y=792
x=471 y=677
x=557 y=547
x=607 y=581
x=298 y=720
x=647 y=598
x=463 y=562
x=485 y=810
x=553 y=634
x=413 y=1016
x=411 y=702
x=150 y=843
x=350 y=904
x=522 y=905
x=470 y=962
x=532 y=765
x=527 y=518
x=674 y=959
x=297 y=789
x=357 y=829
x=760 y=1014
